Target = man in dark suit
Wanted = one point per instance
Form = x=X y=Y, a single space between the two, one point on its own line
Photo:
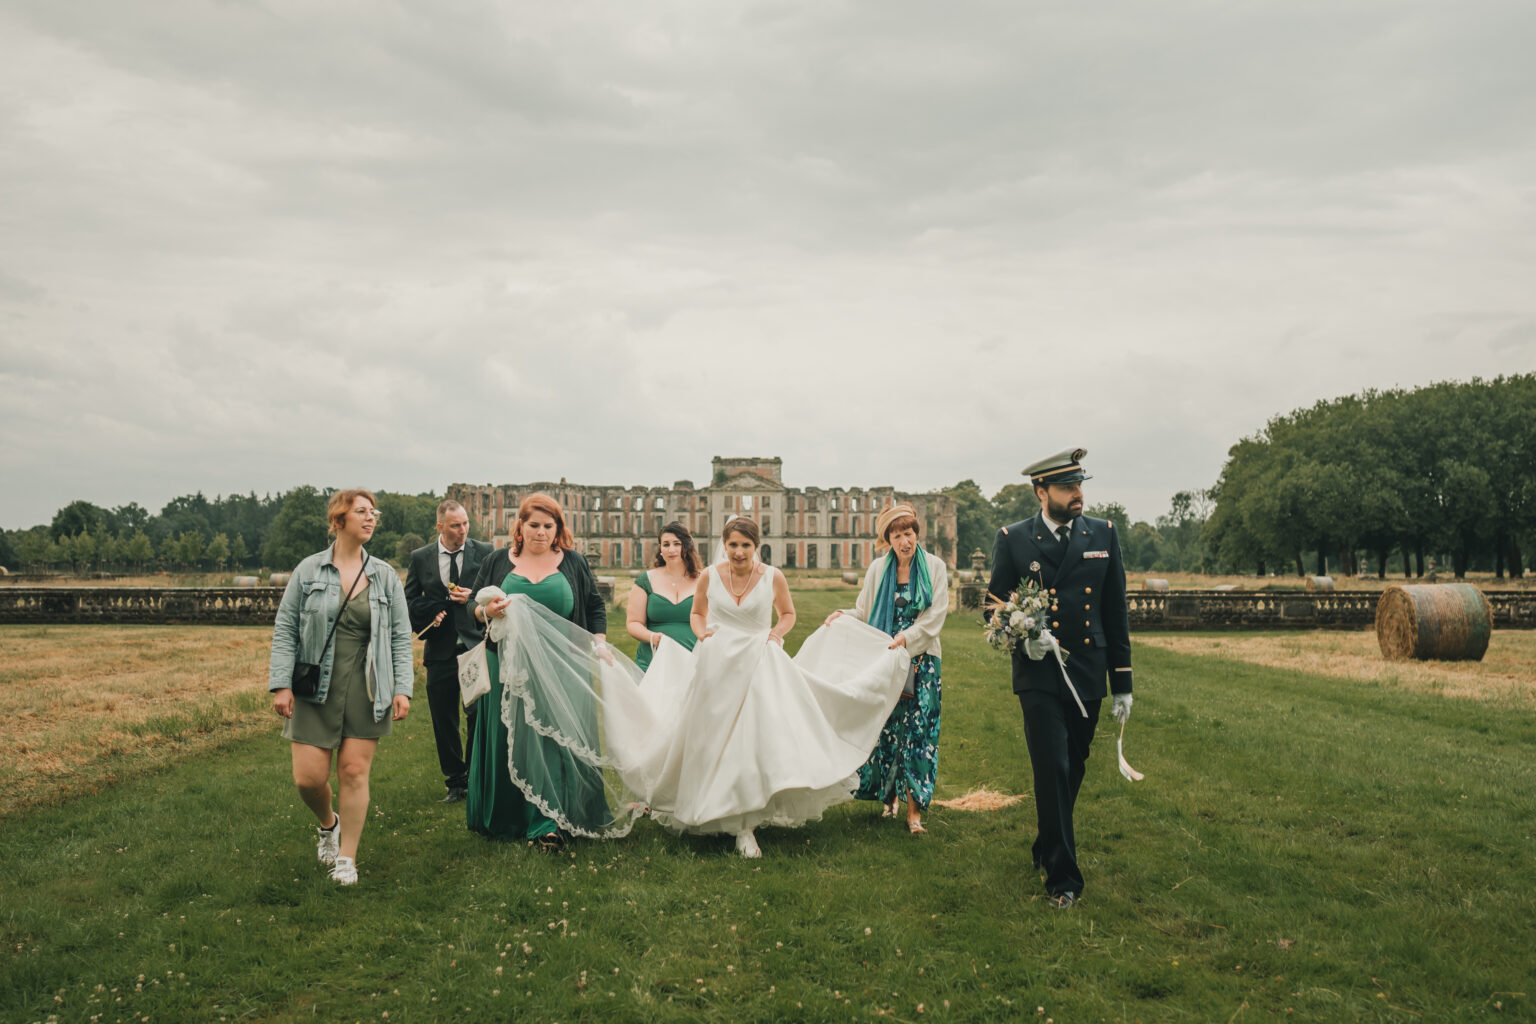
x=437 y=593
x=1077 y=560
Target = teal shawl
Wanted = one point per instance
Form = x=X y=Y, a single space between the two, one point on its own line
x=882 y=615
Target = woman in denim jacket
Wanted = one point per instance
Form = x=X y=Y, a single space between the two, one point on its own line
x=366 y=673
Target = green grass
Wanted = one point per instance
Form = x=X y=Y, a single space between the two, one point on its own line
x=1300 y=845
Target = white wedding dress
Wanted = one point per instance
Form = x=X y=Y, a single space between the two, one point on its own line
x=747 y=736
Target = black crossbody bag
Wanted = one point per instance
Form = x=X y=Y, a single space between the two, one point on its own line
x=306 y=677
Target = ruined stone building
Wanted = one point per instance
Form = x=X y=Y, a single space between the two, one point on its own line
x=807 y=528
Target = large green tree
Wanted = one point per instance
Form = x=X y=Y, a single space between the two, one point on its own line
x=298 y=530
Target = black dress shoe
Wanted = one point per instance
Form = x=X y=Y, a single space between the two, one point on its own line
x=455 y=794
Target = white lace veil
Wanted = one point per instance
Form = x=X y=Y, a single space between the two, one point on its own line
x=576 y=723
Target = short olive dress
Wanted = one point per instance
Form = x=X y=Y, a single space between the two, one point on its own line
x=348 y=708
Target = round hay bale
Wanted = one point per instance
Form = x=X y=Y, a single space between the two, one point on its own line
x=1319 y=582
x=1153 y=583
x=278 y=579
x=246 y=581
x=1439 y=622
x=851 y=578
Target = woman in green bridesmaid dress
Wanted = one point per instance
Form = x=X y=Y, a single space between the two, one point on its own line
x=662 y=599
x=558 y=791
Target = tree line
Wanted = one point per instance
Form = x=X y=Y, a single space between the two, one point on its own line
x=1390 y=481
x=194 y=534
x=1386 y=480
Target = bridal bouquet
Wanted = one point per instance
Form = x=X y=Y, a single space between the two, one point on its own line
x=1019 y=622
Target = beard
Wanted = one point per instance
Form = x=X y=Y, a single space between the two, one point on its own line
x=1063 y=513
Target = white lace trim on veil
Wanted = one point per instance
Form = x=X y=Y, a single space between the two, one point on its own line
x=584 y=696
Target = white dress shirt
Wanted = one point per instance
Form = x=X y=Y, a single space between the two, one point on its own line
x=443 y=564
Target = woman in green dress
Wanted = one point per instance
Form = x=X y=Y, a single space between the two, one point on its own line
x=662 y=599
x=542 y=564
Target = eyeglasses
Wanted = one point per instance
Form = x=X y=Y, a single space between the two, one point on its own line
x=369 y=513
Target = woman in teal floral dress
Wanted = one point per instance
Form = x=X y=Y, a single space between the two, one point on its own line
x=906 y=594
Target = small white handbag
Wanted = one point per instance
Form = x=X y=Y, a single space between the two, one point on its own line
x=474 y=674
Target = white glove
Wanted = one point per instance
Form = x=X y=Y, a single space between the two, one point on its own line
x=1122 y=707
x=1038 y=648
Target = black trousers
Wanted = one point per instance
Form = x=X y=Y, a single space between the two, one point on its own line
x=443 y=701
x=1059 y=737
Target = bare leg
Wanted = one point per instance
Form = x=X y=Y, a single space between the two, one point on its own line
x=312 y=774
x=353 y=763
x=914 y=817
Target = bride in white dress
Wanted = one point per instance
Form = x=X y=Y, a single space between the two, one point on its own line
x=759 y=738
x=721 y=739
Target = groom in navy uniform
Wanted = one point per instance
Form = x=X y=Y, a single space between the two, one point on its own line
x=1076 y=559
x=452 y=559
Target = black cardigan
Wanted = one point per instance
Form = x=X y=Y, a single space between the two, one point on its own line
x=589 y=612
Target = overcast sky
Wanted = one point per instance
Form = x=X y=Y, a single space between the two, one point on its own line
x=246 y=246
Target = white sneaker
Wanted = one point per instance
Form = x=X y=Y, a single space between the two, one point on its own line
x=330 y=842
x=345 y=871
x=746 y=845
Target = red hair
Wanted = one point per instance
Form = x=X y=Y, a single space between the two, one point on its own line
x=341 y=503
x=541 y=502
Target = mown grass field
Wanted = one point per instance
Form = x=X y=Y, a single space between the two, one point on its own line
x=1305 y=845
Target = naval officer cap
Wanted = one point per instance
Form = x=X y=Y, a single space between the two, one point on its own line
x=1065 y=467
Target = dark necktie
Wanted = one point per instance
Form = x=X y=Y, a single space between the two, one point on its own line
x=453 y=566
x=1064 y=534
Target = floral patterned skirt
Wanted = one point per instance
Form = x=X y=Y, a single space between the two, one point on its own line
x=906 y=760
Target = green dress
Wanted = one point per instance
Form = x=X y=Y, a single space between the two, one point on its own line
x=666 y=618
x=494 y=805
x=348 y=709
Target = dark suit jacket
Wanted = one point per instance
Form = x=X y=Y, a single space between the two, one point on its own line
x=425 y=596
x=1090 y=618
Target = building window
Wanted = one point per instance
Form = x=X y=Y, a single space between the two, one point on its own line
x=746 y=503
x=789 y=556
x=811 y=527
x=766 y=554
x=834 y=524
x=659 y=504
x=767 y=526
x=853 y=504
x=765 y=501
x=639 y=505
x=834 y=503
x=615 y=527
x=810 y=556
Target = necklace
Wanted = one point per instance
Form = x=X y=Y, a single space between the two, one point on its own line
x=745 y=587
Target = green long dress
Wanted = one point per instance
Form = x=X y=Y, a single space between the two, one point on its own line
x=494 y=805
x=666 y=618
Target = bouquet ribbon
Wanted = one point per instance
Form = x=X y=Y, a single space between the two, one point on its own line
x=1054 y=646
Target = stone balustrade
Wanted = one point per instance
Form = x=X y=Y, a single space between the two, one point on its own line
x=1165 y=610
x=210 y=606
x=1296 y=609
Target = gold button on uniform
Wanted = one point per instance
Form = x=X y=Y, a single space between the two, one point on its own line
x=1087 y=607
x=1055 y=625
x=1086 y=590
x=1086 y=640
